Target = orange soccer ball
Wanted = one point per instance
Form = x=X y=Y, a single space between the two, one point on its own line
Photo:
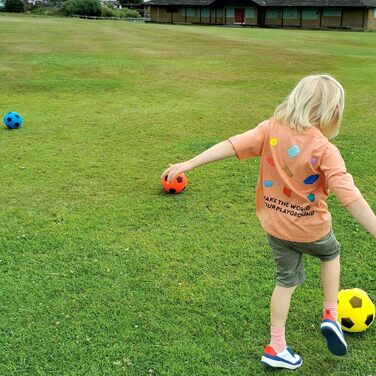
x=178 y=184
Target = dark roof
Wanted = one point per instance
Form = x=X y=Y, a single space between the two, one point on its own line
x=317 y=3
x=180 y=2
x=275 y=3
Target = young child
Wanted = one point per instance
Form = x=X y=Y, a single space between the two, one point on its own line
x=298 y=169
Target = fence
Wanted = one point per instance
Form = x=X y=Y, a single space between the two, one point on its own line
x=130 y=19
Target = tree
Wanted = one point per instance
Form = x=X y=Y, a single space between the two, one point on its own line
x=82 y=7
x=14 y=6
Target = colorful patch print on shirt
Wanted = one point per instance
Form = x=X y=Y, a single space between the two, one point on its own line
x=268 y=183
x=271 y=161
x=273 y=141
x=293 y=151
x=288 y=171
x=311 y=179
x=287 y=191
x=314 y=163
x=311 y=197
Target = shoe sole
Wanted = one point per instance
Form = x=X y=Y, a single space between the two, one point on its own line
x=333 y=338
x=278 y=364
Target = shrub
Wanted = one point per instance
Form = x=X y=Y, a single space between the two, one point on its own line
x=108 y=12
x=82 y=7
x=51 y=11
x=125 y=12
x=132 y=13
x=15 y=6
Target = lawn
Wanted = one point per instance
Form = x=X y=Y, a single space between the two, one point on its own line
x=102 y=273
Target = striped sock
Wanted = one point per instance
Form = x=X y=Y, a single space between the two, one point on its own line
x=277 y=340
x=331 y=307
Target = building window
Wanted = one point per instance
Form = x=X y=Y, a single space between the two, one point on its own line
x=220 y=12
x=250 y=12
x=374 y=13
x=205 y=12
x=192 y=12
x=271 y=13
x=290 y=13
x=310 y=14
x=230 y=12
x=332 y=12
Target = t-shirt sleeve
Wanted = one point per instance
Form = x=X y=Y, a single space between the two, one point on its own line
x=338 y=180
x=249 y=144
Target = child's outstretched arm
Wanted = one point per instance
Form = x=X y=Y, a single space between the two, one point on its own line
x=342 y=184
x=362 y=212
x=217 y=152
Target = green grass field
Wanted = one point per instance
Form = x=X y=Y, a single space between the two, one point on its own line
x=102 y=273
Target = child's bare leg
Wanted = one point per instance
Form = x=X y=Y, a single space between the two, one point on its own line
x=279 y=309
x=280 y=305
x=330 y=273
x=277 y=354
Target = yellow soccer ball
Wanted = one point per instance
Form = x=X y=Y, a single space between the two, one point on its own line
x=356 y=311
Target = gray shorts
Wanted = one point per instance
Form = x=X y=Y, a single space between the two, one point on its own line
x=288 y=257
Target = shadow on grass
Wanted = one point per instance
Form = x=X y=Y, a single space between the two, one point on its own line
x=6 y=129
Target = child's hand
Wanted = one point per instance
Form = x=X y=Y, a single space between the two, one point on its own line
x=176 y=169
x=219 y=151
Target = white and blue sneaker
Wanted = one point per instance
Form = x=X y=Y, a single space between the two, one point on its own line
x=285 y=359
x=333 y=334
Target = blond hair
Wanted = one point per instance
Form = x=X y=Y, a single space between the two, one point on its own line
x=316 y=101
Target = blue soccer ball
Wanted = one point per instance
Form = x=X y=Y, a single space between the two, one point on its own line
x=13 y=120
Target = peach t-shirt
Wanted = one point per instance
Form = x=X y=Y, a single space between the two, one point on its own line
x=297 y=172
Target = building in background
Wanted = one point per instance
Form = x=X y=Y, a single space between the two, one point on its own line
x=312 y=14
